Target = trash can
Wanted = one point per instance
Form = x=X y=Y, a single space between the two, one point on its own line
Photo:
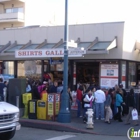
x=41 y=109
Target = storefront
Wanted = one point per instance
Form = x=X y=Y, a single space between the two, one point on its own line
x=101 y=57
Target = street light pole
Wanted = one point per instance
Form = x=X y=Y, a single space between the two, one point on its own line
x=64 y=115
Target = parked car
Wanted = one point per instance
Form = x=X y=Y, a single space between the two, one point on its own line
x=9 y=120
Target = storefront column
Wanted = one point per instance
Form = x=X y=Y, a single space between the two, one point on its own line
x=42 y=69
x=127 y=73
x=15 y=68
x=120 y=72
x=49 y=67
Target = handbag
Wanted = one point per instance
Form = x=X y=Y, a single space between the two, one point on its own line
x=86 y=100
x=134 y=114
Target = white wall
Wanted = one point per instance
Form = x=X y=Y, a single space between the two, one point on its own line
x=131 y=35
x=53 y=34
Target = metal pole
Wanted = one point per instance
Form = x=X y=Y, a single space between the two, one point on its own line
x=17 y=101
x=64 y=114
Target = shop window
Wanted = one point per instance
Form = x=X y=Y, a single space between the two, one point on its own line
x=57 y=71
x=88 y=72
x=132 y=73
x=7 y=70
x=30 y=69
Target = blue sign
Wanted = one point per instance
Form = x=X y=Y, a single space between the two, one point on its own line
x=53 y=62
x=6 y=77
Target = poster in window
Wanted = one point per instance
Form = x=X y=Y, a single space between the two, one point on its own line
x=109 y=75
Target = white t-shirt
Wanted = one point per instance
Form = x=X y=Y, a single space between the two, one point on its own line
x=89 y=99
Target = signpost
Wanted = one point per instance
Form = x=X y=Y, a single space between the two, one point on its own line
x=72 y=44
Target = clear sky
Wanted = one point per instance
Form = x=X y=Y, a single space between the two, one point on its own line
x=43 y=12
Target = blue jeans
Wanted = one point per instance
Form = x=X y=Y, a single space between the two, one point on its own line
x=1 y=97
x=115 y=109
x=79 y=108
x=99 y=107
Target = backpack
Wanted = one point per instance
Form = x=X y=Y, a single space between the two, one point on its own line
x=40 y=88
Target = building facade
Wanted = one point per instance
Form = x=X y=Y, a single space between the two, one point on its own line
x=12 y=14
x=111 y=53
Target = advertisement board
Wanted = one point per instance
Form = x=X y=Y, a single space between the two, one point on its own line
x=108 y=75
x=50 y=105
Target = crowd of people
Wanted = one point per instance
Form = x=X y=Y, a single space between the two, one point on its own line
x=37 y=88
x=106 y=104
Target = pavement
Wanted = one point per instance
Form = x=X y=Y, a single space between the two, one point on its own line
x=100 y=127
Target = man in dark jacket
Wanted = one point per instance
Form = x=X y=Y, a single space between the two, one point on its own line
x=124 y=95
x=2 y=86
x=53 y=88
x=131 y=105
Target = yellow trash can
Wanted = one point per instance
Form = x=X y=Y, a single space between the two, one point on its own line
x=25 y=99
x=41 y=109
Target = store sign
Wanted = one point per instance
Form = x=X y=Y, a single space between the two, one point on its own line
x=48 y=53
x=109 y=75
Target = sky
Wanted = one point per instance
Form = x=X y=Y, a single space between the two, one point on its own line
x=52 y=12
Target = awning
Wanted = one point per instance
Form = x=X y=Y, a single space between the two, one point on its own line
x=94 y=47
x=102 y=47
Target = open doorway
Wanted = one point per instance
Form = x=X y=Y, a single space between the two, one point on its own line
x=138 y=73
x=88 y=72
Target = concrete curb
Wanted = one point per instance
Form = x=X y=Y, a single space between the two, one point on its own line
x=52 y=126
x=48 y=125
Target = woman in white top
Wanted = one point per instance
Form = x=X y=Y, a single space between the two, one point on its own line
x=88 y=99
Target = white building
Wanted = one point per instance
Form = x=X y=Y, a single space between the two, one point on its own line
x=112 y=52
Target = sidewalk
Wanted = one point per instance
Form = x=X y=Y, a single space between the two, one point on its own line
x=100 y=128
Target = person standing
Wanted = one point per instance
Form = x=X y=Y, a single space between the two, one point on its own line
x=119 y=102
x=124 y=94
x=35 y=92
x=2 y=86
x=79 y=100
x=60 y=87
x=108 y=110
x=131 y=105
x=88 y=103
x=70 y=97
x=99 y=103
x=28 y=87
x=53 y=88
